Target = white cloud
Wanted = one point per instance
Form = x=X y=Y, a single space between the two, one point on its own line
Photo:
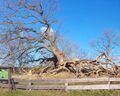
x=43 y=29
x=51 y=34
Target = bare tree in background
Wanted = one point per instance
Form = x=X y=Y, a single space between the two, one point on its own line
x=70 y=49
x=107 y=43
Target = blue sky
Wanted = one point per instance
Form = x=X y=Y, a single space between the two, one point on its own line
x=85 y=20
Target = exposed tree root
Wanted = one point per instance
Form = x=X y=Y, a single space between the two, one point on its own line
x=82 y=68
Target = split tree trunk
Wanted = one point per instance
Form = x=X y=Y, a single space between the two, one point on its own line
x=59 y=56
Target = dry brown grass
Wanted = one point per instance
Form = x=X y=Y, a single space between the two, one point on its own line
x=61 y=75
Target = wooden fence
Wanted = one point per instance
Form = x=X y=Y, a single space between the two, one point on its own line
x=65 y=84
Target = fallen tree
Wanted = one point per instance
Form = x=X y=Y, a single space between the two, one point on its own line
x=89 y=68
x=97 y=67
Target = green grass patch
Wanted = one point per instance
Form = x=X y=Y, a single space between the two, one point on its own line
x=4 y=92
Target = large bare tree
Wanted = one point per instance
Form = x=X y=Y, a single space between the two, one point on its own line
x=28 y=33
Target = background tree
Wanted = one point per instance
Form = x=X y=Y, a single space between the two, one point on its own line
x=107 y=43
x=71 y=49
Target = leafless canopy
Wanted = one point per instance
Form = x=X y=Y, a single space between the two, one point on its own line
x=107 y=43
x=26 y=34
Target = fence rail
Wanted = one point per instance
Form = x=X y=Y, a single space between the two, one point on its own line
x=65 y=84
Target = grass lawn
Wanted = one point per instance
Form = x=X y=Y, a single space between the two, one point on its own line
x=4 y=92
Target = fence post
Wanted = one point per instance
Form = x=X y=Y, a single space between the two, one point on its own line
x=13 y=84
x=30 y=83
x=109 y=83
x=66 y=86
x=9 y=79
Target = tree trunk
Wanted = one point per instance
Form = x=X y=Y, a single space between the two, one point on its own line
x=60 y=57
